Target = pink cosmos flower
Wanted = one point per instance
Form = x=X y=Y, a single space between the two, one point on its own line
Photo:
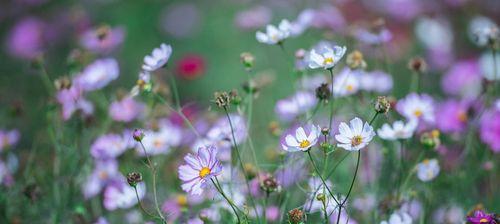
x=26 y=39
x=490 y=129
x=102 y=39
x=72 y=100
x=98 y=74
x=451 y=116
x=126 y=110
x=463 y=79
x=199 y=168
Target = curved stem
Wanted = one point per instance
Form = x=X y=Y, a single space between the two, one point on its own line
x=153 y=173
x=140 y=204
x=320 y=177
x=219 y=189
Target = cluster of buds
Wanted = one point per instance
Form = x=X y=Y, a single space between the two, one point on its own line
x=224 y=99
x=134 y=178
x=355 y=60
x=269 y=184
x=247 y=59
x=382 y=105
x=418 y=65
x=430 y=139
x=296 y=216
x=323 y=92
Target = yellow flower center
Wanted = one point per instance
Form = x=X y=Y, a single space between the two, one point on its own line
x=462 y=116
x=426 y=161
x=417 y=113
x=328 y=60
x=483 y=220
x=349 y=87
x=204 y=172
x=103 y=175
x=435 y=133
x=182 y=200
x=157 y=143
x=304 y=144
x=357 y=56
x=356 y=140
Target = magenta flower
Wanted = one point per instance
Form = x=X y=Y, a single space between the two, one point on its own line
x=481 y=217
x=199 y=169
x=102 y=39
x=451 y=116
x=490 y=129
x=463 y=79
x=26 y=39
x=125 y=110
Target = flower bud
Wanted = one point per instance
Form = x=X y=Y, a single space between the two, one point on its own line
x=323 y=92
x=430 y=139
x=321 y=197
x=247 y=59
x=382 y=105
x=269 y=184
x=134 y=178
x=295 y=216
x=222 y=99
x=138 y=135
x=235 y=98
x=355 y=60
x=417 y=64
x=62 y=83
x=325 y=131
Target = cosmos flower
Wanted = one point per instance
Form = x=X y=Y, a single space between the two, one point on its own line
x=398 y=217
x=26 y=39
x=463 y=79
x=375 y=81
x=173 y=206
x=110 y=146
x=105 y=172
x=72 y=100
x=451 y=116
x=191 y=67
x=481 y=217
x=161 y=141
x=301 y=141
x=399 y=130
x=253 y=18
x=489 y=129
x=119 y=195
x=221 y=131
x=8 y=138
x=293 y=106
x=158 y=58
x=434 y=33
x=356 y=136
x=486 y=64
x=98 y=74
x=373 y=38
x=326 y=58
x=199 y=168
x=415 y=106
x=428 y=169
x=126 y=109
x=317 y=188
x=102 y=39
x=482 y=30
x=346 y=83
x=274 y=35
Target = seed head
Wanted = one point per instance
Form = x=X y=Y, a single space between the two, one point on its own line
x=269 y=184
x=418 y=65
x=134 y=178
x=382 y=105
x=247 y=59
x=222 y=99
x=295 y=216
x=323 y=92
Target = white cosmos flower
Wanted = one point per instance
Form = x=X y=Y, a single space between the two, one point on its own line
x=427 y=169
x=98 y=74
x=326 y=58
x=356 y=136
x=346 y=83
x=301 y=141
x=399 y=130
x=415 y=106
x=158 y=58
x=274 y=35
x=399 y=217
x=487 y=66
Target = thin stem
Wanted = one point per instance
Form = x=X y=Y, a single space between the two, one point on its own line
x=240 y=160
x=320 y=177
x=174 y=91
x=400 y=177
x=180 y=113
x=153 y=173
x=140 y=204
x=219 y=189
x=331 y=100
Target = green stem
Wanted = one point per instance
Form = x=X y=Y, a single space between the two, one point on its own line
x=320 y=177
x=140 y=204
x=153 y=173
x=231 y=204
x=331 y=100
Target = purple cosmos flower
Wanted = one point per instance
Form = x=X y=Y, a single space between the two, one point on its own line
x=291 y=107
x=463 y=79
x=490 y=129
x=120 y=195
x=372 y=38
x=98 y=74
x=375 y=81
x=221 y=130
x=451 y=116
x=8 y=138
x=415 y=106
x=449 y=214
x=72 y=100
x=26 y=39
x=161 y=141
x=126 y=110
x=102 y=39
x=199 y=168
x=110 y=146
x=301 y=141
x=105 y=172
x=480 y=217
x=253 y=18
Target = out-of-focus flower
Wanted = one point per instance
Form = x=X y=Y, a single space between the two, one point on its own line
x=158 y=58
x=98 y=74
x=160 y=142
x=399 y=130
x=398 y=217
x=174 y=205
x=356 y=136
x=274 y=35
x=26 y=39
x=102 y=39
x=119 y=195
x=311 y=82
x=6 y=176
x=330 y=17
x=190 y=66
x=463 y=79
x=452 y=215
x=221 y=131
x=301 y=141
x=483 y=31
x=490 y=129
x=376 y=81
x=373 y=38
x=72 y=100
x=326 y=58
x=434 y=33
x=253 y=18
x=317 y=195
x=181 y=19
x=8 y=138
x=134 y=178
x=292 y=172
x=451 y=116
x=199 y=169
x=110 y=146
x=289 y=108
x=431 y=139
x=413 y=207
x=355 y=60
x=418 y=65
x=346 y=83
x=428 y=169
x=302 y=23
x=126 y=110
x=365 y=203
x=415 y=106
x=104 y=173
x=481 y=217
x=487 y=63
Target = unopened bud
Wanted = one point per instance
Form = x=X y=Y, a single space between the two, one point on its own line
x=325 y=131
x=62 y=83
x=321 y=197
x=382 y=105
x=247 y=59
x=323 y=92
x=134 y=178
x=430 y=139
x=138 y=135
